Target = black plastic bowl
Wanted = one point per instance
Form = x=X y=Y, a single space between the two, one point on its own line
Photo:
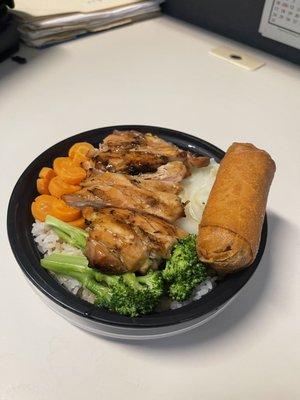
x=19 y=222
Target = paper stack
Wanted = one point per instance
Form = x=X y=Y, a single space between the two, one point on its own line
x=44 y=22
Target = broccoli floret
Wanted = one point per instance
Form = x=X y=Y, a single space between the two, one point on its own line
x=75 y=236
x=126 y=294
x=146 y=289
x=117 y=298
x=183 y=270
x=154 y=282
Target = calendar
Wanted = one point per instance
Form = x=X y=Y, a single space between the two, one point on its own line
x=281 y=21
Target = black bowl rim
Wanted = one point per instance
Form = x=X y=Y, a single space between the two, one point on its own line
x=223 y=292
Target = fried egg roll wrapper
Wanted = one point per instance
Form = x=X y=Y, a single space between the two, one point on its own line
x=230 y=229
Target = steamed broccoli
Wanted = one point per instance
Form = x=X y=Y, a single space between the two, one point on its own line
x=75 y=236
x=147 y=289
x=126 y=294
x=183 y=270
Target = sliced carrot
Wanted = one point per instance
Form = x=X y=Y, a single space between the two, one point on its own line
x=49 y=205
x=66 y=213
x=45 y=176
x=46 y=173
x=42 y=186
x=79 y=152
x=57 y=187
x=68 y=170
x=79 y=223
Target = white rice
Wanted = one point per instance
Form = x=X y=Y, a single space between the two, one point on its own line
x=201 y=290
x=47 y=243
x=196 y=190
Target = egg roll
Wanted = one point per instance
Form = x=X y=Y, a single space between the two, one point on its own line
x=230 y=229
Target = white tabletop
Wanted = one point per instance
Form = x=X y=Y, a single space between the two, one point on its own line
x=159 y=73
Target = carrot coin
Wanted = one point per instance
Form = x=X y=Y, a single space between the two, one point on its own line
x=66 y=213
x=45 y=176
x=46 y=173
x=68 y=170
x=58 y=187
x=42 y=186
x=79 y=152
x=49 y=205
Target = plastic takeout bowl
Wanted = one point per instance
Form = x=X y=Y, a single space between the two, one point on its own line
x=88 y=316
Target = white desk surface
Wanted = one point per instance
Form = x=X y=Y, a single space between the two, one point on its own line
x=156 y=72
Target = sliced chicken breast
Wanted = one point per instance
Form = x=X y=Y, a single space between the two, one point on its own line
x=118 y=190
x=122 y=240
x=133 y=152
